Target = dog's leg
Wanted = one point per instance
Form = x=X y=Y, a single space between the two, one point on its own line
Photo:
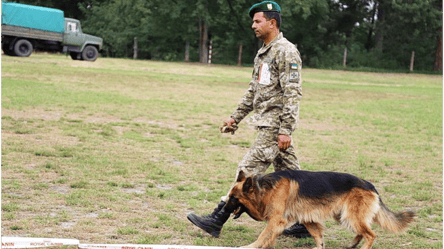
x=369 y=237
x=316 y=230
x=363 y=231
x=356 y=241
x=268 y=237
x=360 y=209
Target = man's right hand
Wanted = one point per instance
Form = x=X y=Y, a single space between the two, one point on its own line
x=229 y=122
x=229 y=126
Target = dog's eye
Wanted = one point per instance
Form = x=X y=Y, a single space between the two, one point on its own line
x=234 y=199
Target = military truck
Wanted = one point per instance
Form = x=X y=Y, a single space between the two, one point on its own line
x=27 y=27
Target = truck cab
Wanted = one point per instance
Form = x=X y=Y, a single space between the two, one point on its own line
x=80 y=46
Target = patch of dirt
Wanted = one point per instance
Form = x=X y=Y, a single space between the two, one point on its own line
x=164 y=187
x=60 y=189
x=120 y=130
x=32 y=114
x=140 y=190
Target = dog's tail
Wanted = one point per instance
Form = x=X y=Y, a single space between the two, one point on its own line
x=394 y=222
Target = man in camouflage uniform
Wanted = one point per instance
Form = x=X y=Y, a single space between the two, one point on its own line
x=273 y=94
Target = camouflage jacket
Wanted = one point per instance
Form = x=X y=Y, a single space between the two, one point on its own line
x=275 y=88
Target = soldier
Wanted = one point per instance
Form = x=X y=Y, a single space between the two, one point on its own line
x=273 y=94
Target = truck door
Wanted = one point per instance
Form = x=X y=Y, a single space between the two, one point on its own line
x=73 y=36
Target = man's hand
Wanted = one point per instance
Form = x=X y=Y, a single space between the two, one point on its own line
x=229 y=122
x=284 y=142
x=229 y=126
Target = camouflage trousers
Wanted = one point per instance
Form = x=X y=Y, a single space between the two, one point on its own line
x=263 y=153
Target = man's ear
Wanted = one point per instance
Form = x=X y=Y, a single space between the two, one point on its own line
x=273 y=22
x=240 y=176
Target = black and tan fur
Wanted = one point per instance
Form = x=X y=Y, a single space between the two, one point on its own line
x=285 y=197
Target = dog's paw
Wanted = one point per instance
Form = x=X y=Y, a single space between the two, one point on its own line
x=322 y=247
x=253 y=245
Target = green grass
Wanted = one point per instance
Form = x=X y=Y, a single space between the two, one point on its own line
x=120 y=151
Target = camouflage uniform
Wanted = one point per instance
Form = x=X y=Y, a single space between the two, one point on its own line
x=274 y=94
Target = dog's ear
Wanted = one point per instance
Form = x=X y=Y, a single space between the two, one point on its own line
x=248 y=184
x=240 y=176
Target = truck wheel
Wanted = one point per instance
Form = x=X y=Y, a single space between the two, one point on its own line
x=23 y=48
x=90 y=53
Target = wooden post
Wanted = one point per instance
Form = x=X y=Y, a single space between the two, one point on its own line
x=135 y=48
x=210 y=51
x=344 y=60
x=412 y=61
x=187 y=52
x=239 y=58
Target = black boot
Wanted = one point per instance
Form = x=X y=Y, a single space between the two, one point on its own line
x=211 y=223
x=297 y=230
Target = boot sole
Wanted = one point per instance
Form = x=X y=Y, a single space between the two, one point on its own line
x=214 y=231
x=298 y=233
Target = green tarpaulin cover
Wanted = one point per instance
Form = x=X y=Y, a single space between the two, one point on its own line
x=35 y=17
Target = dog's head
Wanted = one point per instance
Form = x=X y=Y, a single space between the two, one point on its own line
x=243 y=196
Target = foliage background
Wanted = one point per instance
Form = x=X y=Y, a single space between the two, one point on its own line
x=377 y=33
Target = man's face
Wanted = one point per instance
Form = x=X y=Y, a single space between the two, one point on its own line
x=261 y=26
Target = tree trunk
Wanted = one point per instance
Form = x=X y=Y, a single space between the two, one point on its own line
x=380 y=31
x=239 y=58
x=437 y=66
x=438 y=55
x=203 y=53
x=369 y=43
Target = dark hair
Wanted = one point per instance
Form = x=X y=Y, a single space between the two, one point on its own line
x=273 y=15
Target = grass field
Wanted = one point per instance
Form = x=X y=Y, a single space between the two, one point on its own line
x=120 y=151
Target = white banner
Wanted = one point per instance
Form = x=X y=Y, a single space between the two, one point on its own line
x=140 y=246
x=19 y=242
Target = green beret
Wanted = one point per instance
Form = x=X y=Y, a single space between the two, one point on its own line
x=264 y=6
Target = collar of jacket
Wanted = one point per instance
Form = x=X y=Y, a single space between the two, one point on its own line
x=264 y=47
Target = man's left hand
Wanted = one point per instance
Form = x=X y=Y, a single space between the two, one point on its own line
x=284 y=142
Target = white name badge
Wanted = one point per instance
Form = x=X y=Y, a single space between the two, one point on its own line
x=264 y=75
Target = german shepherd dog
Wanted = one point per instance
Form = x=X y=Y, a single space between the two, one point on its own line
x=285 y=197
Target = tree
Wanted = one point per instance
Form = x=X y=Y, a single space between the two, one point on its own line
x=70 y=7
x=231 y=29
x=117 y=22
x=407 y=26
x=377 y=33
x=437 y=66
